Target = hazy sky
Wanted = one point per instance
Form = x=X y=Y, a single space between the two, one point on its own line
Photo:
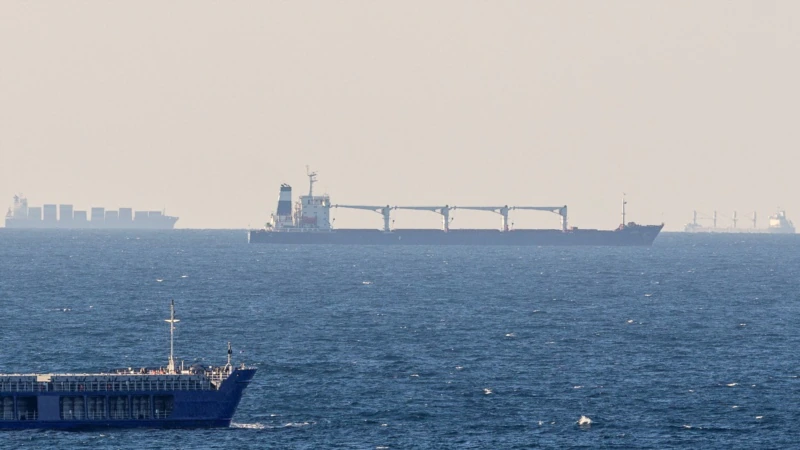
x=205 y=107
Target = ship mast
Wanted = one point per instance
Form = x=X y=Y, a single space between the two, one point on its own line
x=312 y=178
x=623 y=209
x=172 y=320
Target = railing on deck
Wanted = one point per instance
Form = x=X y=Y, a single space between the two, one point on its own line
x=30 y=415
x=115 y=386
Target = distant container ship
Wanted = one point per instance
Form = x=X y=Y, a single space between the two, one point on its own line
x=777 y=224
x=63 y=216
x=309 y=223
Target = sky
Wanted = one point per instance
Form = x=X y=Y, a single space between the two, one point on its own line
x=203 y=108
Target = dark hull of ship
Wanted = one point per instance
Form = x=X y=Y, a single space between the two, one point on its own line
x=167 y=223
x=638 y=235
x=190 y=409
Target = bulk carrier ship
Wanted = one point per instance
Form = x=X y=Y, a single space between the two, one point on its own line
x=777 y=223
x=309 y=223
x=154 y=397
x=63 y=216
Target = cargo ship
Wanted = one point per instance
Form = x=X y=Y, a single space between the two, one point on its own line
x=777 y=223
x=308 y=222
x=20 y=215
x=149 y=397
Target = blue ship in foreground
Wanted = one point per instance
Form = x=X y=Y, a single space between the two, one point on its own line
x=310 y=223
x=164 y=397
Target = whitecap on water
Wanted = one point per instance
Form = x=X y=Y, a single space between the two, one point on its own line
x=252 y=426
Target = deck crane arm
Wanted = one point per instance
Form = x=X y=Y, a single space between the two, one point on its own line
x=502 y=210
x=560 y=210
x=382 y=210
x=443 y=210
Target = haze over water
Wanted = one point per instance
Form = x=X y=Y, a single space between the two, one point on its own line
x=688 y=344
x=204 y=108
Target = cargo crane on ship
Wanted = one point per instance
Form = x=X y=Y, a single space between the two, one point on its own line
x=695 y=226
x=503 y=211
x=385 y=212
x=382 y=210
x=560 y=210
x=443 y=210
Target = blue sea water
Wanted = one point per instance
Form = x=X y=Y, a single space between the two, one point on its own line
x=690 y=343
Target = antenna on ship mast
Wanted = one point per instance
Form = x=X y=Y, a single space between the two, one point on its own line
x=312 y=178
x=172 y=320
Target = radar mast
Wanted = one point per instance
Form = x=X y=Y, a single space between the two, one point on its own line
x=312 y=178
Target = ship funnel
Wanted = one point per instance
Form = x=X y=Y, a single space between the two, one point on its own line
x=285 y=201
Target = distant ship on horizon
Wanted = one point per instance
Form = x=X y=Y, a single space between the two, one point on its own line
x=777 y=224
x=48 y=216
x=309 y=222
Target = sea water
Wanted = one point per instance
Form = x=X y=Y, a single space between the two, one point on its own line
x=689 y=343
